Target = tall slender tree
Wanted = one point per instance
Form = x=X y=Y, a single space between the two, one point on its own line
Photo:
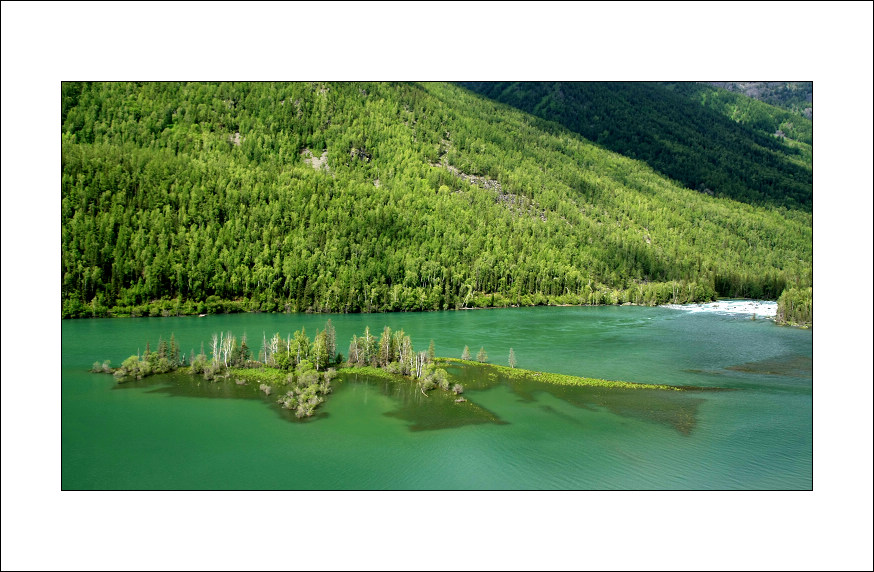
x=174 y=351
x=319 y=352
x=331 y=341
x=369 y=346
x=245 y=353
x=385 y=347
x=354 y=353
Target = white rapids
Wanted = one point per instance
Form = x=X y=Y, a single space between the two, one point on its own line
x=761 y=308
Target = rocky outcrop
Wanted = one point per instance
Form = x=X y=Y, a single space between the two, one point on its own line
x=518 y=204
x=315 y=162
x=361 y=154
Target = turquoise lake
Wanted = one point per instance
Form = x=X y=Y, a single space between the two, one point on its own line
x=182 y=433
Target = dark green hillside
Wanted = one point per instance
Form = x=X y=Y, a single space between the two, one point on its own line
x=182 y=198
x=764 y=118
x=794 y=129
x=667 y=127
x=795 y=96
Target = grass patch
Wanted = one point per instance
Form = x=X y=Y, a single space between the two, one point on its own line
x=556 y=378
x=268 y=375
x=371 y=371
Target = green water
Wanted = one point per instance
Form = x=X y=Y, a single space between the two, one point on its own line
x=178 y=432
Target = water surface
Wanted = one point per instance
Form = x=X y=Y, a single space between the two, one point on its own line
x=177 y=432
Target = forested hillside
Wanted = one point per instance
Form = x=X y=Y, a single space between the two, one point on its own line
x=786 y=123
x=795 y=96
x=346 y=197
x=703 y=147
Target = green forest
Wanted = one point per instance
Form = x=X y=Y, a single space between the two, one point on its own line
x=190 y=198
x=709 y=139
x=794 y=96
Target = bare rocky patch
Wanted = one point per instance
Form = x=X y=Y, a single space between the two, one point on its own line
x=517 y=204
x=315 y=162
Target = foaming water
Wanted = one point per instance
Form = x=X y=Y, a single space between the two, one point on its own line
x=761 y=308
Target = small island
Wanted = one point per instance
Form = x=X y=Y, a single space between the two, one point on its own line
x=301 y=370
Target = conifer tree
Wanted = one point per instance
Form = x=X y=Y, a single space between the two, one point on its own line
x=465 y=355
x=512 y=359
x=174 y=351
x=385 y=347
x=245 y=353
x=331 y=341
x=481 y=356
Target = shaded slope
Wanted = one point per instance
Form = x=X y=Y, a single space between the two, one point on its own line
x=691 y=143
x=793 y=129
x=795 y=96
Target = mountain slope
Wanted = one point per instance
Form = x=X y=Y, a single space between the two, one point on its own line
x=371 y=197
x=794 y=129
x=795 y=96
x=667 y=127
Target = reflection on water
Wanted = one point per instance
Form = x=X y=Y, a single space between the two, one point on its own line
x=436 y=411
x=675 y=409
x=789 y=365
x=788 y=373
x=186 y=385
x=439 y=410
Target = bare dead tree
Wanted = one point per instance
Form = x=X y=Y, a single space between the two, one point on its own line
x=215 y=350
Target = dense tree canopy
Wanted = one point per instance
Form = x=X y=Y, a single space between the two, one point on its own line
x=707 y=138
x=217 y=197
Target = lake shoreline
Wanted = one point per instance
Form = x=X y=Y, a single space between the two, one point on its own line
x=174 y=313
